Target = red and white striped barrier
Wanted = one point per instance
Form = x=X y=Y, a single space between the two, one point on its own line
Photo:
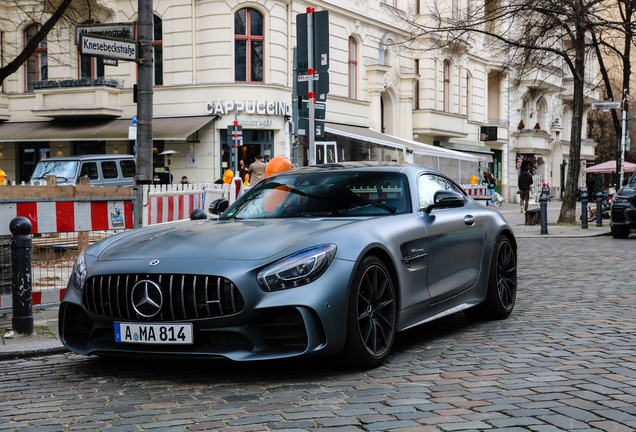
x=373 y=194
x=39 y=298
x=475 y=189
x=168 y=203
x=66 y=215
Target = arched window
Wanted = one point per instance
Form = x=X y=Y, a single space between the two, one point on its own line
x=541 y=111
x=353 y=68
x=157 y=32
x=90 y=67
x=248 y=45
x=446 y=86
x=36 y=65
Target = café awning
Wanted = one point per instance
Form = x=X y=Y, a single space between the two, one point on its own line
x=163 y=128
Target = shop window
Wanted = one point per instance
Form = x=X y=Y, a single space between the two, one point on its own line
x=446 y=87
x=157 y=31
x=248 y=45
x=353 y=68
x=36 y=65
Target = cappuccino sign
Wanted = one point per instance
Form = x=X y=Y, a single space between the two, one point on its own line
x=249 y=107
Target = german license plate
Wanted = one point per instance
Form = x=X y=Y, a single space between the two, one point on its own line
x=169 y=334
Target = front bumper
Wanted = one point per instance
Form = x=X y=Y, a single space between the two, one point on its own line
x=623 y=215
x=302 y=321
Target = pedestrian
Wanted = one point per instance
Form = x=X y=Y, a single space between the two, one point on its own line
x=166 y=177
x=243 y=170
x=257 y=170
x=184 y=180
x=525 y=181
x=491 y=182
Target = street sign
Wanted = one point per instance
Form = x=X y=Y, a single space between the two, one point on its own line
x=320 y=39
x=123 y=30
x=107 y=47
x=111 y=62
x=132 y=132
x=319 y=113
x=303 y=127
x=321 y=87
x=607 y=105
x=134 y=120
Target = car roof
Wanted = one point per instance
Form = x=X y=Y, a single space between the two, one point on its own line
x=88 y=157
x=361 y=166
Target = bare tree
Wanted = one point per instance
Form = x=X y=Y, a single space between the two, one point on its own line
x=52 y=13
x=531 y=35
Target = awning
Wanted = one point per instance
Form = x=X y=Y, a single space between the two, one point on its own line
x=363 y=133
x=484 y=156
x=163 y=128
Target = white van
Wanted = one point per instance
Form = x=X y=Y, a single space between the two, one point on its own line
x=102 y=170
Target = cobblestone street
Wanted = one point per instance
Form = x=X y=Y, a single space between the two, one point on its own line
x=564 y=360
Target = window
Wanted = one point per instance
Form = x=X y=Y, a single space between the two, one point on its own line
x=353 y=68
x=109 y=169
x=127 y=168
x=428 y=184
x=90 y=67
x=446 y=87
x=455 y=9
x=390 y=2
x=89 y=169
x=157 y=32
x=248 y=45
x=37 y=64
x=417 y=84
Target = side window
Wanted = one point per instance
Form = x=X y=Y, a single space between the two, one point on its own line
x=89 y=169
x=127 y=168
x=109 y=169
x=428 y=184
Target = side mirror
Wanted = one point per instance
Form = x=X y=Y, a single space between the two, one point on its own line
x=218 y=206
x=198 y=214
x=446 y=199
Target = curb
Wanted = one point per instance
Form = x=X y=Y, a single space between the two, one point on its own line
x=560 y=236
x=16 y=355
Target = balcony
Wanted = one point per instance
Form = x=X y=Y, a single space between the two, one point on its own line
x=439 y=125
x=85 y=97
x=533 y=141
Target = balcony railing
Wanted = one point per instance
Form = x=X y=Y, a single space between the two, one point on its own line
x=78 y=82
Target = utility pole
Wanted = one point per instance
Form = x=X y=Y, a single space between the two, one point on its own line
x=294 y=152
x=624 y=136
x=145 y=82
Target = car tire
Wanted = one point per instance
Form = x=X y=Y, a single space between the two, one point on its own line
x=502 y=284
x=620 y=232
x=372 y=315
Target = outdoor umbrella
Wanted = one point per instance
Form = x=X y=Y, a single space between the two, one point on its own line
x=608 y=168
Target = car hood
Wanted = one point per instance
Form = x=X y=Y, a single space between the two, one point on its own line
x=219 y=240
x=627 y=191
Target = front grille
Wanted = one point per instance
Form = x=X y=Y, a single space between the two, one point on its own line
x=185 y=297
x=631 y=215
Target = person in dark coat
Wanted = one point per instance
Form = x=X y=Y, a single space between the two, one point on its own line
x=525 y=181
x=166 y=177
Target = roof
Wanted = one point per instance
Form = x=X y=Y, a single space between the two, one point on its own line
x=88 y=157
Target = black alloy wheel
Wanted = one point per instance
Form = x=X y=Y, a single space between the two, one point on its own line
x=371 y=324
x=506 y=275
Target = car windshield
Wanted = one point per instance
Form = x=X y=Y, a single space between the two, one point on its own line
x=324 y=194
x=632 y=181
x=62 y=169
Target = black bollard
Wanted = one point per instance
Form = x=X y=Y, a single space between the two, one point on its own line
x=599 y=209
x=21 y=245
x=543 y=202
x=584 y=209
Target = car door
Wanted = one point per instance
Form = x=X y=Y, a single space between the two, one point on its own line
x=89 y=169
x=455 y=240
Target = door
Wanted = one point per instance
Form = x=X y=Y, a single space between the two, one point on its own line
x=326 y=152
x=110 y=173
x=455 y=241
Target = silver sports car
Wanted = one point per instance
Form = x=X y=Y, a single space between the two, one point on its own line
x=323 y=260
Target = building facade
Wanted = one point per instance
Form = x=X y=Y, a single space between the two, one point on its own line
x=217 y=59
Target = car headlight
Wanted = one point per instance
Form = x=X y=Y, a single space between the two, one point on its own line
x=621 y=199
x=79 y=271
x=298 y=269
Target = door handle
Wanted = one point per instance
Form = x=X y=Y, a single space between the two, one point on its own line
x=469 y=220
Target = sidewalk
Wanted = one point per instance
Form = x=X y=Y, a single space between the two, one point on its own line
x=46 y=341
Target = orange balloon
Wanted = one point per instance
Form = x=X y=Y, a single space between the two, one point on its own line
x=2 y=176
x=276 y=165
x=474 y=180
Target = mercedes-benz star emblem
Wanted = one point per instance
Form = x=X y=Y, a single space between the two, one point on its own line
x=146 y=298
x=154 y=262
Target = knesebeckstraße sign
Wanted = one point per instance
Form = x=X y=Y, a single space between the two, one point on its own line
x=108 y=47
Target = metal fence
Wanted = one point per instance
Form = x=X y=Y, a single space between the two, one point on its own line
x=53 y=256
